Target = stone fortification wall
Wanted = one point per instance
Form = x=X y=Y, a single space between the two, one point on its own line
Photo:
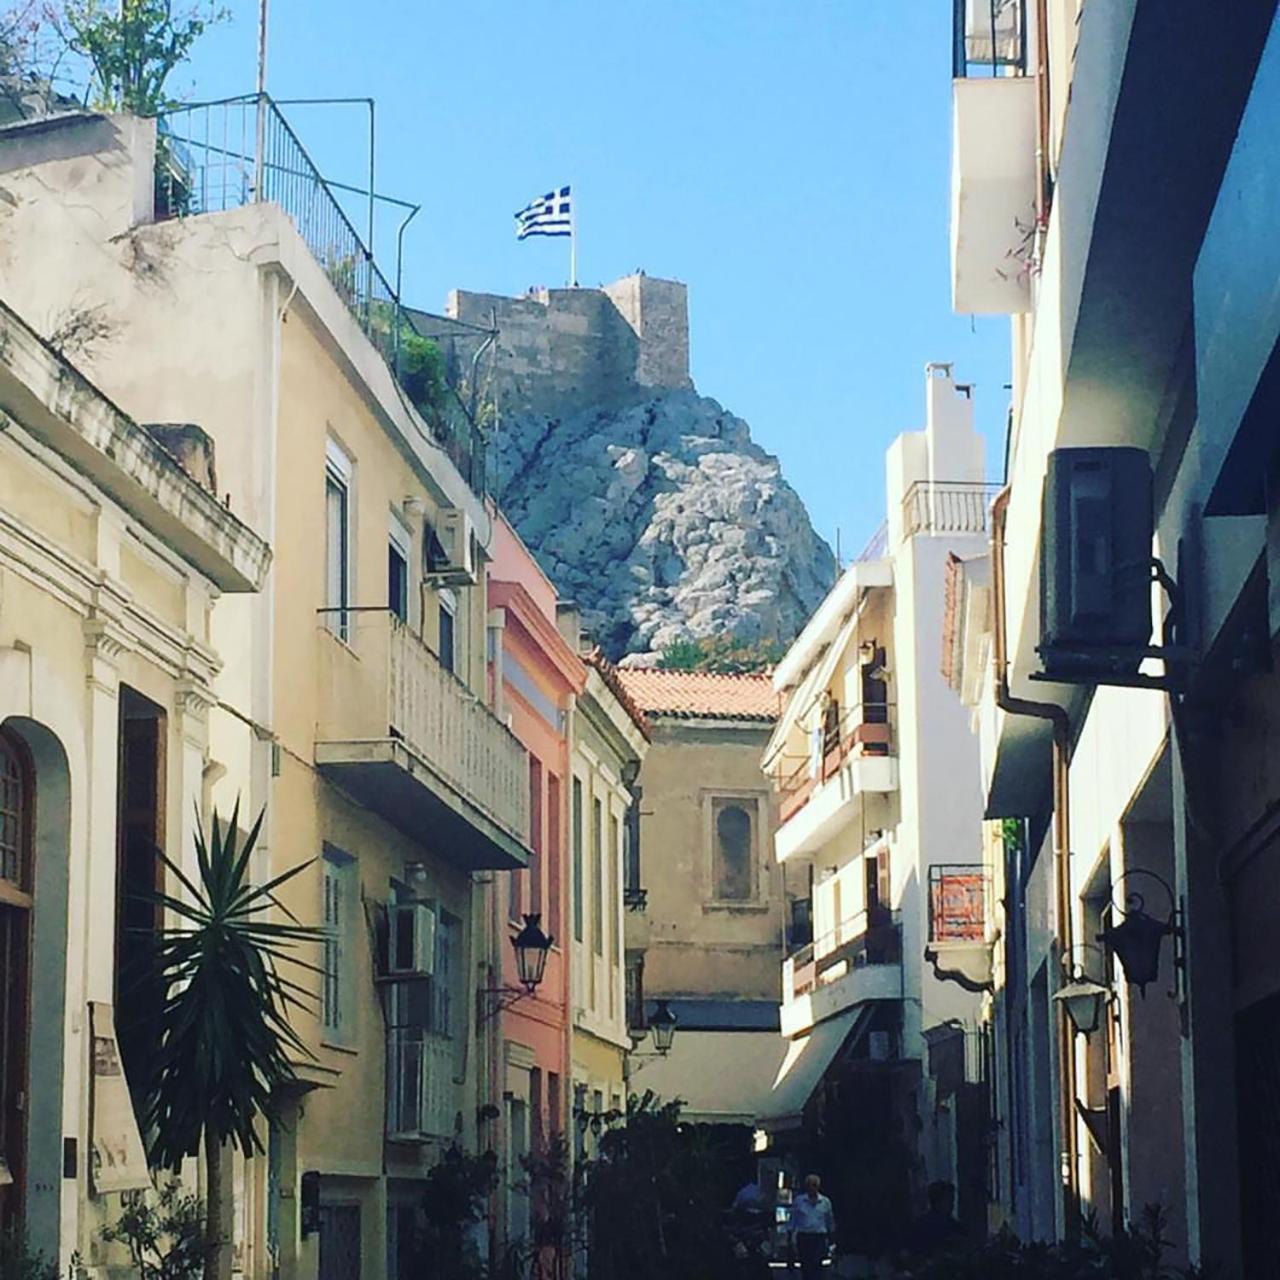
x=562 y=350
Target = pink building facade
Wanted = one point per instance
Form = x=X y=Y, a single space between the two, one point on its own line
x=535 y=673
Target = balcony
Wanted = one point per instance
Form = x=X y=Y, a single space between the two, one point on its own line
x=410 y=741
x=958 y=948
x=859 y=960
x=994 y=245
x=947 y=506
x=421 y=1095
x=856 y=760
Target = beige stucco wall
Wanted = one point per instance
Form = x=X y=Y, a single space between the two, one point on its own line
x=697 y=946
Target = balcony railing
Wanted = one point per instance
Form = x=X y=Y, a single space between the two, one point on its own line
x=877 y=545
x=215 y=156
x=421 y=1097
x=389 y=709
x=947 y=506
x=957 y=903
x=864 y=730
x=865 y=938
x=989 y=37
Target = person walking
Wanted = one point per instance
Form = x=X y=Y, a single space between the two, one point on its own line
x=813 y=1227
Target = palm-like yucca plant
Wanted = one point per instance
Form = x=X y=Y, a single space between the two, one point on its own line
x=226 y=1043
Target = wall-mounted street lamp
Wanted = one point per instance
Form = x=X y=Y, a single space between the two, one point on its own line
x=1137 y=939
x=531 y=946
x=1083 y=998
x=662 y=1023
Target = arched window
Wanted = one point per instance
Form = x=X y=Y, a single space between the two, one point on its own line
x=17 y=796
x=734 y=850
x=15 y=813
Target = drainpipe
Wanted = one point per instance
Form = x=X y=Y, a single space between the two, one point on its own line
x=1061 y=849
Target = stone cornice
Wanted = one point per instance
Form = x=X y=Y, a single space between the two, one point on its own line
x=58 y=406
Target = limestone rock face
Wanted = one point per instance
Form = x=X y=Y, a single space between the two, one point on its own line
x=661 y=518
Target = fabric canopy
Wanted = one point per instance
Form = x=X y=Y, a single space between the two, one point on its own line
x=808 y=1058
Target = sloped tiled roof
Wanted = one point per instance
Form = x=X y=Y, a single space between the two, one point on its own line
x=700 y=695
x=613 y=680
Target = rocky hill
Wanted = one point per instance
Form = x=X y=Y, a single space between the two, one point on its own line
x=646 y=503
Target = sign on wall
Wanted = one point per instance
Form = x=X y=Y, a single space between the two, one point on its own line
x=957 y=905
x=118 y=1162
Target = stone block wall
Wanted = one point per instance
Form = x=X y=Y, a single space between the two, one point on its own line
x=561 y=350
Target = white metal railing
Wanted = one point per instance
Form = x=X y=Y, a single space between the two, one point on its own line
x=445 y=723
x=947 y=506
x=421 y=1098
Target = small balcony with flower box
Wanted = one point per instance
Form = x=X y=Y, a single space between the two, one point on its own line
x=406 y=738
x=857 y=961
x=855 y=758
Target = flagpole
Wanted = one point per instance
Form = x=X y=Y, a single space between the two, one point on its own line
x=573 y=239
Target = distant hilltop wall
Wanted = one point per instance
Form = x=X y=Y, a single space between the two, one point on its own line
x=560 y=350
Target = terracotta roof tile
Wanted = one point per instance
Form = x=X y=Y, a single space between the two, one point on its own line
x=696 y=694
x=613 y=679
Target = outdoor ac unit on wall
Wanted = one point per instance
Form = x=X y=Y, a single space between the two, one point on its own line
x=451 y=557
x=1096 y=560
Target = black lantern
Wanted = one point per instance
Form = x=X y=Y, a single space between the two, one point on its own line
x=663 y=1025
x=1137 y=939
x=531 y=946
x=1084 y=1001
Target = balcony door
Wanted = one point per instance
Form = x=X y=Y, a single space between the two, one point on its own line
x=17 y=805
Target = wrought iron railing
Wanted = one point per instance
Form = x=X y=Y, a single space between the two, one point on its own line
x=989 y=38
x=947 y=506
x=212 y=157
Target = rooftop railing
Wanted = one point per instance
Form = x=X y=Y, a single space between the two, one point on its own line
x=989 y=38
x=212 y=157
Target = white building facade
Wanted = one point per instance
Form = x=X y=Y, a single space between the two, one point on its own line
x=880 y=810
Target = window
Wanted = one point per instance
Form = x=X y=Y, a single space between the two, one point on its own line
x=733 y=833
x=610 y=894
x=338 y=1014
x=580 y=1120
x=17 y=794
x=448 y=609
x=635 y=991
x=578 y=887
x=631 y=853
x=554 y=1119
x=597 y=877
x=337 y=508
x=535 y=831
x=554 y=854
x=536 y=1135
x=398 y=569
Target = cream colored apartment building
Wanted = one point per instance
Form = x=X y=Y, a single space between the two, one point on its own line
x=112 y=558
x=358 y=669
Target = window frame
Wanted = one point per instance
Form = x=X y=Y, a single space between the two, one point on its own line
x=577 y=851
x=339 y=1009
x=447 y=607
x=597 y=876
x=755 y=802
x=339 y=474
x=400 y=545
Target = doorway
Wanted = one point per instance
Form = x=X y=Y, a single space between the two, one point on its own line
x=339 y=1242
x=140 y=874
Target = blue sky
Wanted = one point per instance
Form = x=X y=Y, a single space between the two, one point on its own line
x=789 y=160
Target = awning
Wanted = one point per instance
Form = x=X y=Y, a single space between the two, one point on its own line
x=808 y=1058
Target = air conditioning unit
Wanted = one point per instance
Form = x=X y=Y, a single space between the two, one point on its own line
x=1097 y=527
x=450 y=558
x=411 y=940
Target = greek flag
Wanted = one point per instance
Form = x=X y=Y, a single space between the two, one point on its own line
x=549 y=215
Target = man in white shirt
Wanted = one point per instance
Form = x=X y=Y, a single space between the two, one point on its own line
x=813 y=1224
